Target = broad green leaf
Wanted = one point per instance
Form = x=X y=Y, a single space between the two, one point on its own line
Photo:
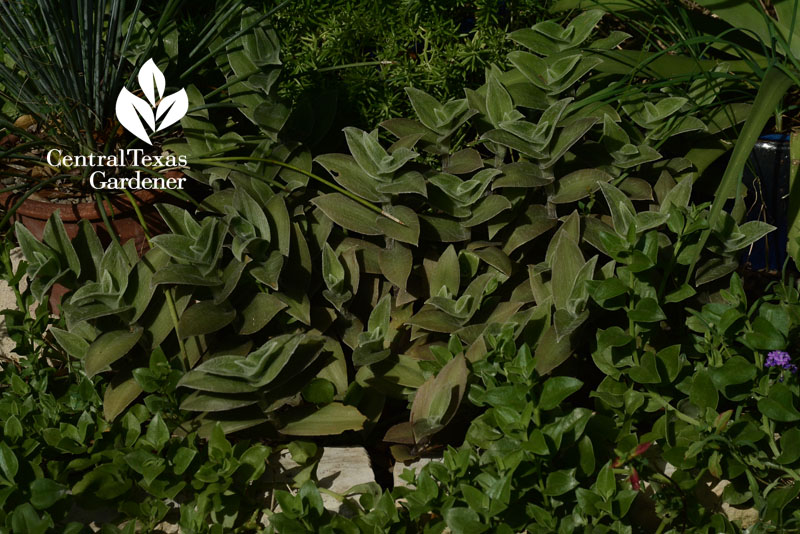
x=445 y=274
x=678 y=196
x=74 y=344
x=779 y=404
x=346 y=171
x=560 y=482
x=9 y=464
x=184 y=275
x=747 y=234
x=566 y=262
x=462 y=520
x=347 y=213
x=210 y=402
x=438 y=399
x=556 y=389
x=606 y=484
x=435 y=321
x=122 y=391
x=332 y=270
x=498 y=101
x=280 y=223
x=647 y=370
x=205 y=317
x=522 y=174
x=496 y=258
x=46 y=492
x=622 y=210
x=12 y=428
x=703 y=394
x=425 y=106
x=157 y=432
x=408 y=232
x=578 y=184
x=531 y=225
x=568 y=136
x=55 y=235
x=647 y=310
x=332 y=419
x=443 y=230
x=602 y=290
x=550 y=353
x=396 y=261
x=790 y=447
x=202 y=381
x=109 y=348
x=487 y=209
x=793 y=211
x=735 y=370
x=259 y=311
x=462 y=162
x=319 y=391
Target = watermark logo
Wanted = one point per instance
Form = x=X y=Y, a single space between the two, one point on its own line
x=132 y=110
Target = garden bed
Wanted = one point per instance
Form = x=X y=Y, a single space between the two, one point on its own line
x=530 y=293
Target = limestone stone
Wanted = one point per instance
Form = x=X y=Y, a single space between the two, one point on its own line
x=8 y=301
x=414 y=465
x=338 y=470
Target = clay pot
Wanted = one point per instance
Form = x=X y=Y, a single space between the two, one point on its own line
x=33 y=214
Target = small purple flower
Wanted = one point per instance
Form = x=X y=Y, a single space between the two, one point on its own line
x=779 y=358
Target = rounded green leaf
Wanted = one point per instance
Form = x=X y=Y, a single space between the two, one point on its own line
x=45 y=493
x=556 y=389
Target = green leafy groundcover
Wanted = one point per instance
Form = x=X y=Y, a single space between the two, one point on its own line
x=527 y=266
x=534 y=460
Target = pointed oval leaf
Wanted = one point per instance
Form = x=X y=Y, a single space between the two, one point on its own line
x=331 y=419
x=109 y=348
x=260 y=311
x=348 y=213
x=119 y=394
x=205 y=317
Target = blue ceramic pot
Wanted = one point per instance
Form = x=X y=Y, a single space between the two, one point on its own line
x=767 y=180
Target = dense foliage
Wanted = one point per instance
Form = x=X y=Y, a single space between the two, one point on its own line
x=527 y=267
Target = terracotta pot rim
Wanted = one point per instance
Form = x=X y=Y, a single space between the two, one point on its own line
x=118 y=204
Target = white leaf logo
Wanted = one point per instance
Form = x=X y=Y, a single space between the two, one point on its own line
x=132 y=110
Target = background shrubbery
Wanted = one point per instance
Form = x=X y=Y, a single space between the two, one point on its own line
x=513 y=266
x=440 y=47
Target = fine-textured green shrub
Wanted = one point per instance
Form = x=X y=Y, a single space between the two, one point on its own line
x=439 y=47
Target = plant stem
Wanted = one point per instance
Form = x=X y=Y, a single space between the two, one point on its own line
x=173 y=312
x=102 y=209
x=353 y=65
x=679 y=414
